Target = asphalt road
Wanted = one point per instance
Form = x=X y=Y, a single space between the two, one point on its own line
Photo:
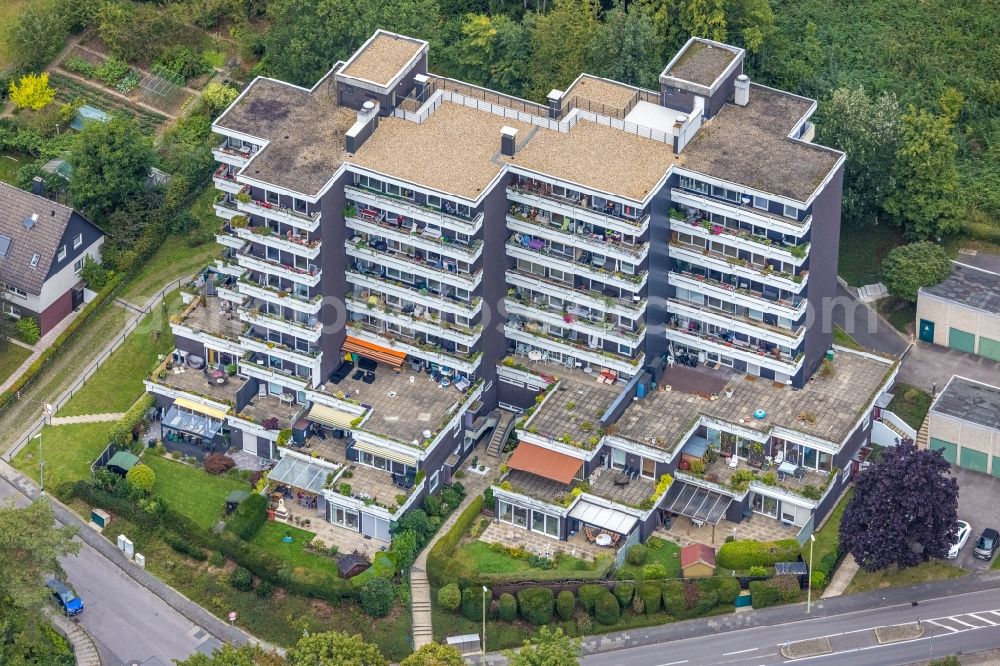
x=869 y=330
x=965 y=622
x=129 y=624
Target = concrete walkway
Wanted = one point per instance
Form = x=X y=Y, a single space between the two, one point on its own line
x=83 y=645
x=85 y=418
x=43 y=343
x=861 y=322
x=842 y=577
x=420 y=588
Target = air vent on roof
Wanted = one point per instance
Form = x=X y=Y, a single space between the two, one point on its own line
x=30 y=222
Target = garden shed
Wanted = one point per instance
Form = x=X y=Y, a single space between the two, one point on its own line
x=234 y=498
x=352 y=564
x=122 y=462
x=697 y=561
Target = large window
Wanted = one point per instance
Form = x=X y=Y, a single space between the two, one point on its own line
x=544 y=523
x=767 y=506
x=344 y=517
x=511 y=513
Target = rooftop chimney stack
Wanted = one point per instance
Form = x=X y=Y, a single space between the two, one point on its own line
x=38 y=186
x=678 y=132
x=555 y=103
x=742 y=94
x=508 y=141
x=363 y=127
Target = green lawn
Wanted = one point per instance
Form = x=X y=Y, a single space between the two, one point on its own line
x=10 y=163
x=910 y=404
x=68 y=451
x=11 y=359
x=117 y=383
x=668 y=553
x=901 y=314
x=922 y=573
x=178 y=257
x=190 y=490
x=487 y=561
x=842 y=339
x=826 y=536
x=269 y=538
x=862 y=252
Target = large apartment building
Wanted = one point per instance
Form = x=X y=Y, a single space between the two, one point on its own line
x=404 y=253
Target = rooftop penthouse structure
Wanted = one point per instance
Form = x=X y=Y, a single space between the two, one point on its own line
x=403 y=256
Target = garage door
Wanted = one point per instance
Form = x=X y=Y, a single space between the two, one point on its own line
x=961 y=340
x=972 y=459
x=949 y=450
x=989 y=348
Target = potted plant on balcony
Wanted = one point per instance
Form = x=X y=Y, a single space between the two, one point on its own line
x=231 y=369
x=243 y=197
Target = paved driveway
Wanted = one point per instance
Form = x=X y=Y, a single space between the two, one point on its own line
x=867 y=328
x=926 y=365
x=977 y=504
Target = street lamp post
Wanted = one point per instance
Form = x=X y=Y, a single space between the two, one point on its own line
x=809 y=589
x=485 y=590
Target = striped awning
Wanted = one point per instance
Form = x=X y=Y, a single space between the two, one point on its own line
x=390 y=357
x=328 y=416
x=395 y=456
x=214 y=412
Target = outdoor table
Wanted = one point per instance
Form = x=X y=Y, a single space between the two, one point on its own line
x=603 y=540
x=787 y=467
x=534 y=355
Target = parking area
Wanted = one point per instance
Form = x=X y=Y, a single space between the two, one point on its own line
x=978 y=494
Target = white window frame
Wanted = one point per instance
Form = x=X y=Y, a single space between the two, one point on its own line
x=20 y=293
x=759 y=202
x=78 y=266
x=435 y=481
x=794 y=212
x=62 y=253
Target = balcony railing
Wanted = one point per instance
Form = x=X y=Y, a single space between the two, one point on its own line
x=307 y=330
x=447 y=268
x=256 y=342
x=593 y=242
x=414 y=235
x=745 y=210
x=728 y=346
x=416 y=346
x=289 y=242
x=722 y=262
x=245 y=153
x=600 y=213
x=536 y=331
x=312 y=271
x=704 y=228
x=431 y=325
x=793 y=304
x=442 y=217
x=630 y=281
x=307 y=221
x=724 y=318
x=629 y=306
x=434 y=299
x=583 y=321
x=295 y=301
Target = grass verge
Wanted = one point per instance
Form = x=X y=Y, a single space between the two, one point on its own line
x=68 y=451
x=269 y=538
x=11 y=359
x=827 y=536
x=901 y=314
x=910 y=404
x=922 y=573
x=667 y=553
x=190 y=490
x=862 y=252
x=842 y=339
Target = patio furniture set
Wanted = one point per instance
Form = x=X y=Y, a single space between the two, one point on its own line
x=601 y=538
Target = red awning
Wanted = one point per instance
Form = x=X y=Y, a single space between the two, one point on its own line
x=544 y=462
x=374 y=352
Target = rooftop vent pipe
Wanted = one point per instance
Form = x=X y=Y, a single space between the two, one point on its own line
x=742 y=93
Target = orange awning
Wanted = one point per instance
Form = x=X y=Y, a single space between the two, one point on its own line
x=545 y=463
x=374 y=352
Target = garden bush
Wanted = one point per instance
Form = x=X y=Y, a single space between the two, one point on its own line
x=763 y=594
x=442 y=568
x=588 y=595
x=265 y=590
x=377 y=597
x=584 y=625
x=725 y=587
x=217 y=559
x=507 y=607
x=787 y=586
x=637 y=554
x=780 y=589
x=566 y=605
x=142 y=477
x=624 y=592
x=121 y=433
x=249 y=517
x=472 y=602
x=450 y=597
x=185 y=547
x=741 y=555
x=673 y=597
x=654 y=571
x=218 y=463
x=536 y=605
x=28 y=329
x=649 y=592
x=241 y=579
x=606 y=609
x=818 y=580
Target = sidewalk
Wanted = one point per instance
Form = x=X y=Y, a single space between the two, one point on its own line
x=83 y=645
x=86 y=418
x=842 y=577
x=43 y=343
x=420 y=588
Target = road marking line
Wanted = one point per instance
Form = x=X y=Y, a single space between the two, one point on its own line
x=945 y=626
x=726 y=654
x=674 y=663
x=973 y=626
x=982 y=619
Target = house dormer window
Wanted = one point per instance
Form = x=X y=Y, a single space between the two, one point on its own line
x=77 y=241
x=60 y=256
x=35 y=259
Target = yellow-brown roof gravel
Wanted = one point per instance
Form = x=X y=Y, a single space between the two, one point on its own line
x=452 y=151
x=382 y=59
x=599 y=157
x=702 y=63
x=600 y=91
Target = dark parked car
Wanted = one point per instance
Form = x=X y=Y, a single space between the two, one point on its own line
x=65 y=597
x=987 y=544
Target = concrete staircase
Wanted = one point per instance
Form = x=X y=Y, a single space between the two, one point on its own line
x=923 y=440
x=500 y=433
x=83 y=645
x=420 y=600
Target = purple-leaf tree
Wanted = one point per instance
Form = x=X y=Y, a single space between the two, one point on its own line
x=903 y=510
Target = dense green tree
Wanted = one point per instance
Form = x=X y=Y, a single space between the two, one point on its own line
x=548 y=648
x=77 y=14
x=664 y=16
x=142 y=477
x=248 y=655
x=559 y=43
x=30 y=546
x=434 y=654
x=924 y=201
x=624 y=47
x=333 y=648
x=38 y=34
x=703 y=18
x=27 y=639
x=111 y=162
x=909 y=267
x=867 y=130
x=751 y=24
x=493 y=51
x=308 y=36
x=134 y=32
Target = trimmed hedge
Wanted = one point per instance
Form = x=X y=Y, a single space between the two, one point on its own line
x=566 y=605
x=673 y=597
x=741 y=555
x=654 y=571
x=121 y=432
x=507 y=607
x=649 y=592
x=536 y=605
x=780 y=589
x=588 y=595
x=377 y=597
x=606 y=609
x=762 y=594
x=249 y=517
x=442 y=568
x=624 y=592
x=472 y=602
x=184 y=547
x=450 y=597
x=100 y=300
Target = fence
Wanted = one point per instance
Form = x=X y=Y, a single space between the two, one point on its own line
x=93 y=367
x=103 y=459
x=632 y=540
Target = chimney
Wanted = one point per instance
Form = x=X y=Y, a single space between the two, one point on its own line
x=678 y=132
x=555 y=103
x=742 y=90
x=508 y=141
x=363 y=127
x=38 y=186
x=420 y=87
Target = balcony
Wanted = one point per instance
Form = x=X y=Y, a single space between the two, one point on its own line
x=427 y=324
x=742 y=212
x=235 y=156
x=305 y=221
x=254 y=365
x=741 y=239
x=606 y=244
x=425 y=239
x=575 y=318
x=418 y=295
x=737 y=323
x=445 y=272
x=789 y=308
x=289 y=242
x=307 y=276
x=225 y=208
x=542 y=197
x=535 y=336
x=309 y=331
x=775 y=360
x=227 y=237
x=224 y=181
x=605 y=300
x=537 y=252
x=701 y=256
x=407 y=207
x=463 y=362
x=252 y=341
x=307 y=304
